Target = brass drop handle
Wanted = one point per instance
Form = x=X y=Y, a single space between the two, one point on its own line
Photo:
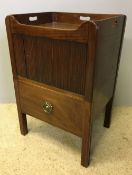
x=47 y=107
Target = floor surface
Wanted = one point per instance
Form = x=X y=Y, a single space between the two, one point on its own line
x=47 y=150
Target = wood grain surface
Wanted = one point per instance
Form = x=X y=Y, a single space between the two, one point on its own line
x=69 y=62
x=69 y=109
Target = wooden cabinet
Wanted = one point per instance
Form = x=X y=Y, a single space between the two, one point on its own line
x=65 y=68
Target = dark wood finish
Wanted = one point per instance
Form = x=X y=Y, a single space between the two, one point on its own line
x=108 y=111
x=21 y=116
x=109 y=44
x=109 y=105
x=64 y=115
x=20 y=53
x=56 y=69
x=64 y=33
x=86 y=137
x=69 y=62
x=87 y=122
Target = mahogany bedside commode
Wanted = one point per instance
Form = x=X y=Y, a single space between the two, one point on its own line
x=65 y=68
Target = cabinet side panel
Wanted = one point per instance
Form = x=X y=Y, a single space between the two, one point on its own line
x=109 y=39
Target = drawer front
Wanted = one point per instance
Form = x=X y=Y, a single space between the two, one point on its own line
x=60 y=108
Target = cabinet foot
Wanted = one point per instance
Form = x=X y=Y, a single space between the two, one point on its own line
x=108 y=112
x=86 y=138
x=85 y=154
x=23 y=124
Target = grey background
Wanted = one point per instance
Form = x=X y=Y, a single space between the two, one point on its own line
x=123 y=94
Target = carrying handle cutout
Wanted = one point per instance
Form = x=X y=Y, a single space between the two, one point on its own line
x=85 y=18
x=33 y=18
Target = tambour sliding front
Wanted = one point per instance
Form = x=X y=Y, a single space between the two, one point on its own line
x=65 y=68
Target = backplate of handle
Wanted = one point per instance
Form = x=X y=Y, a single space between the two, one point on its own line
x=47 y=107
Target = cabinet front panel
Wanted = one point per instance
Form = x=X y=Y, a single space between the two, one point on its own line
x=59 y=108
x=54 y=62
x=19 y=54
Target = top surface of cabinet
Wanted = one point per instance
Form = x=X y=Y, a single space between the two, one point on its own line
x=66 y=26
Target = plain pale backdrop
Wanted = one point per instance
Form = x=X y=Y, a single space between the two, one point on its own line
x=123 y=94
